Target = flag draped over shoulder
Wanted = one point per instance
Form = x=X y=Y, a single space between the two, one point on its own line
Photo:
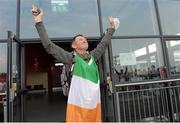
x=84 y=96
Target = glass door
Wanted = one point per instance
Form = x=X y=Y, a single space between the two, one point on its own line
x=14 y=89
x=3 y=80
x=132 y=63
x=107 y=98
x=173 y=56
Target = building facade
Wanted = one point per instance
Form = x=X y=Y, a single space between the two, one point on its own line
x=145 y=49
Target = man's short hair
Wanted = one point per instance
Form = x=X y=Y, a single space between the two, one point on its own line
x=76 y=37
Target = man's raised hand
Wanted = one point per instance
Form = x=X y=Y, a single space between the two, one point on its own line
x=114 y=22
x=37 y=13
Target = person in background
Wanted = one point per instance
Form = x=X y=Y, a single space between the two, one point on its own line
x=84 y=103
x=3 y=85
x=163 y=72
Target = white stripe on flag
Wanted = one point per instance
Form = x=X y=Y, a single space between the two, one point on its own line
x=84 y=93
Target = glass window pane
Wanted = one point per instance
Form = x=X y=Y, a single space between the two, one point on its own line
x=134 y=62
x=169 y=16
x=174 y=55
x=3 y=66
x=7 y=17
x=137 y=17
x=62 y=18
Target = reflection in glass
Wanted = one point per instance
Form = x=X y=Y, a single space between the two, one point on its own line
x=62 y=18
x=60 y=5
x=140 y=52
x=152 y=48
x=134 y=62
x=169 y=17
x=137 y=17
x=3 y=66
x=7 y=17
x=174 y=43
x=174 y=56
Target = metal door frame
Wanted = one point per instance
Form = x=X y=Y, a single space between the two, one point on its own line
x=12 y=38
x=166 y=55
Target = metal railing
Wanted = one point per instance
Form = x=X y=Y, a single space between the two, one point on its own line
x=155 y=101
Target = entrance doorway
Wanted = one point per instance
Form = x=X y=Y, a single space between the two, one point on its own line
x=45 y=101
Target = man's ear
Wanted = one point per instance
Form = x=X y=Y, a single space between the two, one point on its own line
x=73 y=45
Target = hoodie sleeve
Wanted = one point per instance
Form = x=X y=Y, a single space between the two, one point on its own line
x=53 y=49
x=101 y=47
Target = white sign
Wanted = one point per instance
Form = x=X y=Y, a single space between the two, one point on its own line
x=127 y=59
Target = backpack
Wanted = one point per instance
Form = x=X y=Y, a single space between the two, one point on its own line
x=66 y=76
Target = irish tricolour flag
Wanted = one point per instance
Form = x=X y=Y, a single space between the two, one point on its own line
x=84 y=96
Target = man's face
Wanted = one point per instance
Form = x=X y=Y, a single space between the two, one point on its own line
x=80 y=43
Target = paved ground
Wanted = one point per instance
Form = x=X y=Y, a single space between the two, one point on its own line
x=41 y=108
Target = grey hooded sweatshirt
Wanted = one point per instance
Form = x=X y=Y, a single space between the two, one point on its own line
x=65 y=56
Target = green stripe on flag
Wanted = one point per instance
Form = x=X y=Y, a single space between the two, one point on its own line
x=85 y=70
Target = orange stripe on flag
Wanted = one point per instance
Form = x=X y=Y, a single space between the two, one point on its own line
x=78 y=114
